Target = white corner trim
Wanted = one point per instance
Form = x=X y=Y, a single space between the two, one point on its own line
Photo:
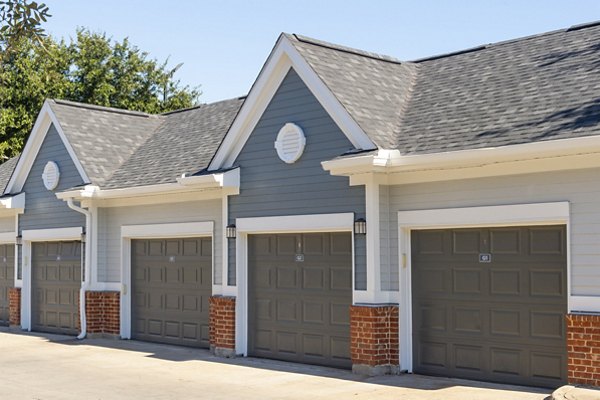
x=297 y=223
x=184 y=229
x=466 y=217
x=44 y=120
x=150 y=231
x=342 y=222
x=16 y=202
x=8 y=237
x=283 y=57
x=52 y=235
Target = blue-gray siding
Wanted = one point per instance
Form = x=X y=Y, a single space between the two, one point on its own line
x=42 y=209
x=270 y=187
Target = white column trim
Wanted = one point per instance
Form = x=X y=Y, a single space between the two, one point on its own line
x=467 y=217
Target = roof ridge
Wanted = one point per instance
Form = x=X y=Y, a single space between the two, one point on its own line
x=572 y=28
x=349 y=50
x=102 y=108
x=203 y=105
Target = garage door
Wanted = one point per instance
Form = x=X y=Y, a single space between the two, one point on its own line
x=7 y=279
x=56 y=281
x=171 y=288
x=300 y=292
x=489 y=304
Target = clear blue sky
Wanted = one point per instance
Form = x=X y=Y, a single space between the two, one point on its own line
x=224 y=43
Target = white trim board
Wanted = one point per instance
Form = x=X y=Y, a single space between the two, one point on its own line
x=342 y=222
x=38 y=235
x=283 y=57
x=505 y=215
x=45 y=119
x=151 y=231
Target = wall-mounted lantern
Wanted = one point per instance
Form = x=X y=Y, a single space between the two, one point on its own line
x=360 y=226
x=82 y=237
x=19 y=240
x=230 y=231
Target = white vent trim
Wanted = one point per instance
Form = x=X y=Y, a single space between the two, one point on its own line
x=290 y=143
x=51 y=175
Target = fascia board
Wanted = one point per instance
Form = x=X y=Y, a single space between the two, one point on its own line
x=283 y=57
x=45 y=118
x=393 y=162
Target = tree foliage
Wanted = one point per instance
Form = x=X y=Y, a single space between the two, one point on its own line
x=91 y=68
x=20 y=19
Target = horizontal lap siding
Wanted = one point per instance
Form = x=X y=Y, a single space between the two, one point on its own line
x=42 y=209
x=111 y=219
x=269 y=187
x=7 y=224
x=579 y=187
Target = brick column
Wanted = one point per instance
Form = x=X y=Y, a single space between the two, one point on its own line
x=222 y=326
x=374 y=339
x=103 y=313
x=14 y=305
x=583 y=348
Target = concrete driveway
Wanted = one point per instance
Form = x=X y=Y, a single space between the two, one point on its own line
x=34 y=366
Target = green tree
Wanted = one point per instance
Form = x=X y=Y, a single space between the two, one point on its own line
x=19 y=19
x=91 y=68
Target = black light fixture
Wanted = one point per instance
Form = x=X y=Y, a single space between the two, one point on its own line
x=19 y=240
x=360 y=227
x=82 y=237
x=230 y=231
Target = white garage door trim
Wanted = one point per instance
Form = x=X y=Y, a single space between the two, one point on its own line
x=152 y=231
x=342 y=222
x=38 y=235
x=468 y=217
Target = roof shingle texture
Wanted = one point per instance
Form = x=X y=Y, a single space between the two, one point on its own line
x=103 y=138
x=532 y=89
x=6 y=170
x=184 y=143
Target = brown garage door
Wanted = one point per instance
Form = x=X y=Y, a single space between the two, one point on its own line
x=171 y=287
x=300 y=292
x=7 y=279
x=56 y=270
x=489 y=304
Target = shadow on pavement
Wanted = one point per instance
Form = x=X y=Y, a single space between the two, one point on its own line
x=188 y=354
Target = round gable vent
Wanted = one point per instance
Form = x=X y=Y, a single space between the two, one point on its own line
x=290 y=143
x=51 y=175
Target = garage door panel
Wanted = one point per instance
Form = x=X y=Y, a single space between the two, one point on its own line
x=287 y=310
x=547 y=282
x=505 y=282
x=340 y=278
x=467 y=281
x=506 y=316
x=172 y=288
x=313 y=312
x=299 y=307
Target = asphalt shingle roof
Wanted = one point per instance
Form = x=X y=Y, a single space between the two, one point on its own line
x=103 y=138
x=119 y=148
x=531 y=89
x=184 y=143
x=6 y=170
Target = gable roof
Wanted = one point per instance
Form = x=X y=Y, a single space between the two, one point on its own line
x=103 y=138
x=526 y=90
x=184 y=143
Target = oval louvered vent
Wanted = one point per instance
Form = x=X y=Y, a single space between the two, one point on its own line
x=290 y=143
x=51 y=175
